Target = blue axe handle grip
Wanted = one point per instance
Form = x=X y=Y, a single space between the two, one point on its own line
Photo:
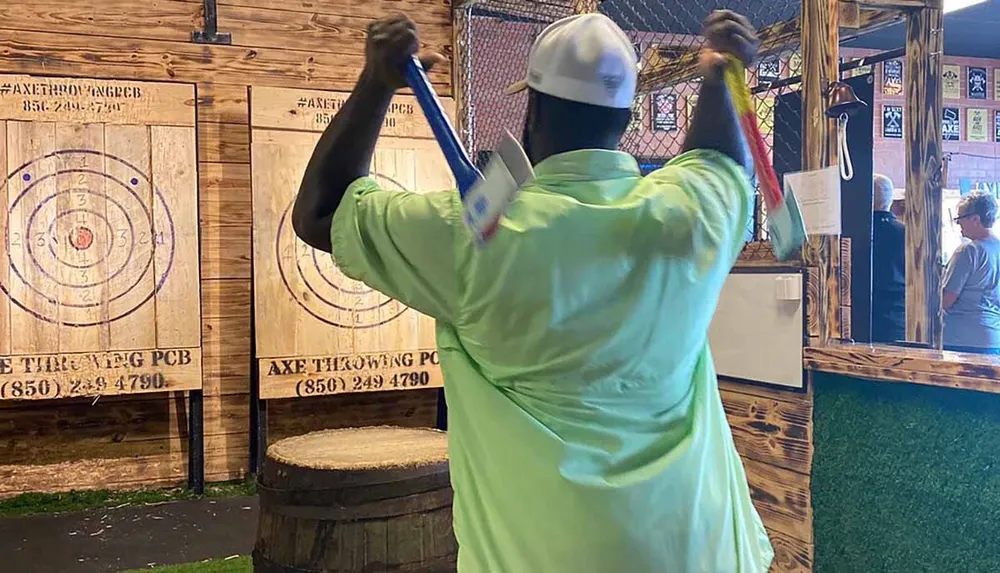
x=465 y=172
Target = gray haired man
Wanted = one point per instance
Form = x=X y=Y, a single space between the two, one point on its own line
x=888 y=267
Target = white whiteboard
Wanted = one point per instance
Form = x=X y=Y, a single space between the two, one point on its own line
x=757 y=331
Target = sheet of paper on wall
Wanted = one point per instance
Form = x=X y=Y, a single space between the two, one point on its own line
x=818 y=193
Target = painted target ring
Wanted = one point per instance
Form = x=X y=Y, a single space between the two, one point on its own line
x=321 y=289
x=81 y=238
x=90 y=239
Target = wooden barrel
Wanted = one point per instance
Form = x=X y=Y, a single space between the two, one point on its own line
x=356 y=499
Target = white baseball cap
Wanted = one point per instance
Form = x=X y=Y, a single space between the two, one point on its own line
x=585 y=58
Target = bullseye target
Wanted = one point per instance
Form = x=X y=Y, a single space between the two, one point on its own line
x=90 y=238
x=305 y=307
x=321 y=289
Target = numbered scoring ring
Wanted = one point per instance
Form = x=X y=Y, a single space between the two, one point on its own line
x=318 y=286
x=90 y=239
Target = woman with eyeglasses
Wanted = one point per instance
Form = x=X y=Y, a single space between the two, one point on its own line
x=971 y=293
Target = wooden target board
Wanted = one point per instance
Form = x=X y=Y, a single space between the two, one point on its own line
x=99 y=260
x=317 y=331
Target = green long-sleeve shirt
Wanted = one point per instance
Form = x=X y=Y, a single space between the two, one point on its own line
x=586 y=431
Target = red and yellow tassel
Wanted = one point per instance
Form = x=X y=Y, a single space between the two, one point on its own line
x=767 y=179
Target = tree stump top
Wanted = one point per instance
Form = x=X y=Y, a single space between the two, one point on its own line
x=361 y=449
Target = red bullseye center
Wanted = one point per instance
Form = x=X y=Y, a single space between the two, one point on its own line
x=81 y=238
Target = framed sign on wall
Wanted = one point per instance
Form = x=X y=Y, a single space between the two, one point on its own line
x=769 y=70
x=977 y=83
x=976 y=125
x=951 y=81
x=795 y=63
x=951 y=124
x=892 y=121
x=664 y=112
x=637 y=114
x=892 y=77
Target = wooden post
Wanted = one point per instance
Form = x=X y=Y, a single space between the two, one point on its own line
x=924 y=46
x=820 y=66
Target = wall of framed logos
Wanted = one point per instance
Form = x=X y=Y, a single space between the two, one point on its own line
x=970 y=122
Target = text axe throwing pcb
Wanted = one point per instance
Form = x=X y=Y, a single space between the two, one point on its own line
x=99 y=261
x=317 y=331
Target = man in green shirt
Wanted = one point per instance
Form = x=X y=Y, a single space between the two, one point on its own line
x=586 y=431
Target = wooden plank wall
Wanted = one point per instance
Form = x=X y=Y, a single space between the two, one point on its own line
x=141 y=440
x=772 y=430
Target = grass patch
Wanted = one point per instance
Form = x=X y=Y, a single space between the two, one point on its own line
x=38 y=503
x=904 y=478
x=237 y=565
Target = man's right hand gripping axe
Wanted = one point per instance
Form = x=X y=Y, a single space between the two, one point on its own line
x=732 y=45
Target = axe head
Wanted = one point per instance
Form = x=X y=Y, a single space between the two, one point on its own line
x=486 y=201
x=785 y=227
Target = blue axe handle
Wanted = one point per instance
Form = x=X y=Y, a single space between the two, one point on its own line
x=465 y=172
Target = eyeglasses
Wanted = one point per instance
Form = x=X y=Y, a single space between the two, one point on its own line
x=960 y=217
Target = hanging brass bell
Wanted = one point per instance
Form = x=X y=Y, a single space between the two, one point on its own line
x=842 y=100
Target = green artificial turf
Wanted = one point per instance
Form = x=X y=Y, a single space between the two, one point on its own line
x=237 y=565
x=906 y=478
x=36 y=503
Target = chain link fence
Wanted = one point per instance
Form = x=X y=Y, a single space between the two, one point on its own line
x=495 y=37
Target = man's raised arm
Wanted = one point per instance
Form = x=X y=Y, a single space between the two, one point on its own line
x=344 y=151
x=716 y=125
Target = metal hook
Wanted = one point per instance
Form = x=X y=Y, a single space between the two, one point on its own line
x=211 y=33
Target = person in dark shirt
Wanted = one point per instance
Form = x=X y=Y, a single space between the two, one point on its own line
x=888 y=267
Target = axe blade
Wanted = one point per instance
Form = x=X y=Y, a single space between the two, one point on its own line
x=485 y=196
x=785 y=227
x=487 y=200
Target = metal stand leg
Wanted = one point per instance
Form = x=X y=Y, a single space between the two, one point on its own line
x=258 y=434
x=196 y=442
x=442 y=412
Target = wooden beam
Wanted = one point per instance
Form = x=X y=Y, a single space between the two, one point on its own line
x=548 y=10
x=922 y=114
x=663 y=72
x=915 y=365
x=872 y=20
x=820 y=50
x=903 y=4
x=670 y=65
